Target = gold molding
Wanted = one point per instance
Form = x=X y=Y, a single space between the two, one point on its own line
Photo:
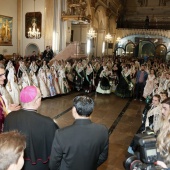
x=76 y=18
x=76 y=11
x=19 y=19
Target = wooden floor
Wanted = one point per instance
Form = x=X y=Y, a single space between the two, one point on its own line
x=121 y=116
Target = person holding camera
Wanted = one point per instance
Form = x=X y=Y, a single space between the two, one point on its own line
x=161 y=141
x=153 y=117
x=151 y=120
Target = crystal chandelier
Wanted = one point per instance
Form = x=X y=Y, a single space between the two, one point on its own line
x=108 y=37
x=34 y=32
x=91 y=33
x=118 y=39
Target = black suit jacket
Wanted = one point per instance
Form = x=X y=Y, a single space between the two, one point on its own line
x=39 y=131
x=81 y=146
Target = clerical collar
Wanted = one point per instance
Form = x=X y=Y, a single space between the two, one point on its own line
x=30 y=110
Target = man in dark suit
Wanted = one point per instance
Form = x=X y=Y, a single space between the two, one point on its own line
x=34 y=57
x=83 y=145
x=47 y=54
x=141 y=78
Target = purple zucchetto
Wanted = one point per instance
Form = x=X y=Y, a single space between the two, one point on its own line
x=28 y=94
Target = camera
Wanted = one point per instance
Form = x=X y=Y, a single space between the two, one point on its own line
x=145 y=153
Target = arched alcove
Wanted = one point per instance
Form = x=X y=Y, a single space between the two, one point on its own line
x=145 y=48
x=130 y=49
x=161 y=51
x=120 y=51
x=30 y=48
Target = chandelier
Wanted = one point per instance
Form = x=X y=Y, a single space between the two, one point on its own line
x=118 y=39
x=91 y=33
x=108 y=37
x=34 y=32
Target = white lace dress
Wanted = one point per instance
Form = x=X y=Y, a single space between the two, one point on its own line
x=12 y=87
x=43 y=84
x=148 y=89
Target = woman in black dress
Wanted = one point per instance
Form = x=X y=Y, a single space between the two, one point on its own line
x=123 y=88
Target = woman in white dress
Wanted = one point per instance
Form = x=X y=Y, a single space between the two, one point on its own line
x=44 y=66
x=25 y=80
x=43 y=83
x=55 y=80
x=63 y=81
x=148 y=89
x=6 y=96
x=9 y=65
x=12 y=86
x=50 y=82
x=69 y=74
x=33 y=67
x=56 y=65
x=162 y=79
x=21 y=69
x=33 y=79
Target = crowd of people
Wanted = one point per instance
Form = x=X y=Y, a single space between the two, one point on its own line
x=34 y=137
x=122 y=76
x=27 y=80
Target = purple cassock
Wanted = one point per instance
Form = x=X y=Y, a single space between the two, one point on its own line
x=2 y=117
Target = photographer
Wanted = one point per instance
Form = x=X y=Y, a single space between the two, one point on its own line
x=151 y=118
x=149 y=148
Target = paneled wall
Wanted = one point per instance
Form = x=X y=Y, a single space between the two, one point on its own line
x=28 y=6
x=9 y=8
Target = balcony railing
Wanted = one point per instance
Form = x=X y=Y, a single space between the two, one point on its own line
x=142 y=25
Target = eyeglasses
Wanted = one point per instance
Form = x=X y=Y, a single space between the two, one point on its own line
x=2 y=74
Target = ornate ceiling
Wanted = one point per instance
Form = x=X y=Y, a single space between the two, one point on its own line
x=139 y=9
x=132 y=10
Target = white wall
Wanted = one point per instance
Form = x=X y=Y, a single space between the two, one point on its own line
x=9 y=8
x=28 y=6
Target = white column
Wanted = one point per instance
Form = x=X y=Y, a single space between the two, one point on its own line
x=60 y=27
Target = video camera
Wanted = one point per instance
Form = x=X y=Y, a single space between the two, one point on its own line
x=145 y=154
